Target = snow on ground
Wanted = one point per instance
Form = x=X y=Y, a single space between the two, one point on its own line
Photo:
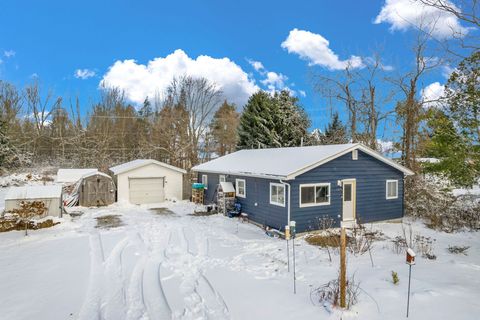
x=167 y=264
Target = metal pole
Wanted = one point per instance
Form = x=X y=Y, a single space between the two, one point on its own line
x=408 y=297
x=294 y=277
x=288 y=257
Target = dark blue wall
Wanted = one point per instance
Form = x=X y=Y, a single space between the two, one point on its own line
x=257 y=192
x=371 y=204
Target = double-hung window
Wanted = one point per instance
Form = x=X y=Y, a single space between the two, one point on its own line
x=392 y=189
x=277 y=194
x=221 y=178
x=240 y=188
x=317 y=194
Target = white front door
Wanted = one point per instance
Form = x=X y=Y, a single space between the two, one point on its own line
x=348 y=199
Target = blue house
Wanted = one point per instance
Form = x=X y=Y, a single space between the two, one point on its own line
x=347 y=182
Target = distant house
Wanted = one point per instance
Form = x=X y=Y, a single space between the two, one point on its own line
x=51 y=196
x=144 y=181
x=348 y=182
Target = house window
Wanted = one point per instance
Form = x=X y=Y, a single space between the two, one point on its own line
x=277 y=194
x=240 y=188
x=392 y=189
x=314 y=194
x=221 y=178
x=355 y=154
x=205 y=181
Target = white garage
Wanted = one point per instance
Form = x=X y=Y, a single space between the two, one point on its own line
x=146 y=181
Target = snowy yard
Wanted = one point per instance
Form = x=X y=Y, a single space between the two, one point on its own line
x=164 y=264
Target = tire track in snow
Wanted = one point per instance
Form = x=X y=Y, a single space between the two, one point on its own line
x=115 y=295
x=91 y=308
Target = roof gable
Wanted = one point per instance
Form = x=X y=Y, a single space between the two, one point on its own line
x=286 y=163
x=138 y=163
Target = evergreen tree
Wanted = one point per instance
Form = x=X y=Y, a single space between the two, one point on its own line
x=292 y=121
x=458 y=160
x=272 y=121
x=335 y=132
x=8 y=154
x=223 y=129
x=463 y=97
x=257 y=123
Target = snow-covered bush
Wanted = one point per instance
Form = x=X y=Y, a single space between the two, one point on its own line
x=440 y=209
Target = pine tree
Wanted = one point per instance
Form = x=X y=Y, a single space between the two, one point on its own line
x=458 y=160
x=335 y=132
x=257 y=123
x=272 y=121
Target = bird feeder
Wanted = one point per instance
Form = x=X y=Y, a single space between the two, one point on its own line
x=292 y=228
x=287 y=232
x=410 y=257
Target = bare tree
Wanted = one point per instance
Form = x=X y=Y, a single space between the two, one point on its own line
x=201 y=98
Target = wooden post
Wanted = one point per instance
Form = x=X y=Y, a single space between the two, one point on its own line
x=343 y=268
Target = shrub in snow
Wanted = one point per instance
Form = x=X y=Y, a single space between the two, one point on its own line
x=395 y=278
x=328 y=295
x=458 y=249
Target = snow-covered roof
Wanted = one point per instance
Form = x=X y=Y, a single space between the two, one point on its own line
x=95 y=173
x=124 y=167
x=285 y=163
x=34 y=192
x=73 y=175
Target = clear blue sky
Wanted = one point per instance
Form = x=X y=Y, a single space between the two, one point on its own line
x=62 y=41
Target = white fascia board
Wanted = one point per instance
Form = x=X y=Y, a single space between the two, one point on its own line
x=243 y=174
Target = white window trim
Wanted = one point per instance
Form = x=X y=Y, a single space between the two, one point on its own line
x=314 y=204
x=355 y=154
x=220 y=178
x=272 y=184
x=205 y=179
x=386 y=189
x=244 y=195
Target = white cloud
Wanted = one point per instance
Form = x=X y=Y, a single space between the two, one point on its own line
x=9 y=53
x=302 y=93
x=257 y=65
x=385 y=146
x=315 y=49
x=433 y=94
x=34 y=76
x=84 y=74
x=405 y=14
x=142 y=80
x=274 y=81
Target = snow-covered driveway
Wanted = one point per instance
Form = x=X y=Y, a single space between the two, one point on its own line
x=167 y=264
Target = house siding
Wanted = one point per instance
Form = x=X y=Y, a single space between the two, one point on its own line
x=257 y=201
x=371 y=203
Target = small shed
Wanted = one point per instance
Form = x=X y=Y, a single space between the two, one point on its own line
x=96 y=189
x=145 y=181
x=71 y=176
x=51 y=196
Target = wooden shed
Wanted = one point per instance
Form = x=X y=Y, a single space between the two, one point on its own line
x=96 y=189
x=50 y=195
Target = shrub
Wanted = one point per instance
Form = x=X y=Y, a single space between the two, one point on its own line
x=458 y=249
x=329 y=293
x=395 y=278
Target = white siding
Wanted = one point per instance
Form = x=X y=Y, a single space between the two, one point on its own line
x=173 y=181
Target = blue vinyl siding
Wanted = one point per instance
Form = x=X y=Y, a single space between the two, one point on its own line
x=257 y=192
x=371 y=203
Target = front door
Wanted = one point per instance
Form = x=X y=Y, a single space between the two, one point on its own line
x=348 y=199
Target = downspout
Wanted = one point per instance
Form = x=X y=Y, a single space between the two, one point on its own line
x=288 y=200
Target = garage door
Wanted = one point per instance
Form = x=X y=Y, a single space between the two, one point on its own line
x=146 y=190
